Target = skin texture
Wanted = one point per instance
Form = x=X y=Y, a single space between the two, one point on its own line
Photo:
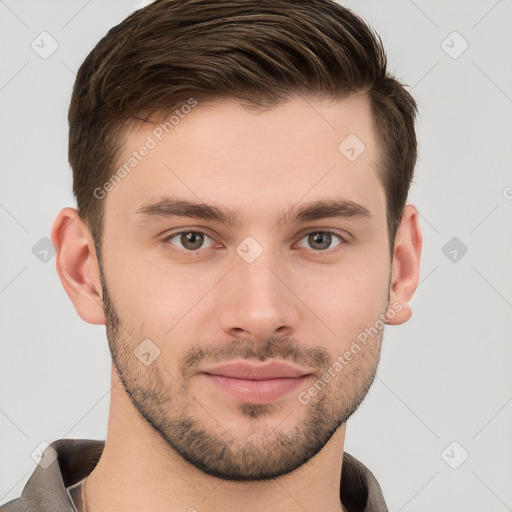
x=176 y=441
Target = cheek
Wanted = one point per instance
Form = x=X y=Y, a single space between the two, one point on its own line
x=347 y=299
x=162 y=300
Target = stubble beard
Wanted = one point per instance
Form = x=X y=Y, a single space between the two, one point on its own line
x=262 y=454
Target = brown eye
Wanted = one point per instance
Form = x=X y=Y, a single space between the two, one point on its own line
x=192 y=240
x=187 y=241
x=322 y=240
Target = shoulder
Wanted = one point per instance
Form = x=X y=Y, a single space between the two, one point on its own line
x=63 y=463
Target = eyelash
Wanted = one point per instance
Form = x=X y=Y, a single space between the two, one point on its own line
x=187 y=253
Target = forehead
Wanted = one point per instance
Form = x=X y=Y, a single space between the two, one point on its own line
x=252 y=161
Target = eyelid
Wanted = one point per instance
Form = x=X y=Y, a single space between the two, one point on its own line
x=344 y=235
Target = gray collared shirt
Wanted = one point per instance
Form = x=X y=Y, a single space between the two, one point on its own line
x=55 y=487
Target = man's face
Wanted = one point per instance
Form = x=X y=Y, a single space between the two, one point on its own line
x=267 y=288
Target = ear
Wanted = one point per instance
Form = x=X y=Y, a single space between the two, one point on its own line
x=77 y=265
x=405 y=268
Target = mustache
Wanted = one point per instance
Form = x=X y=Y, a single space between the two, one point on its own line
x=271 y=348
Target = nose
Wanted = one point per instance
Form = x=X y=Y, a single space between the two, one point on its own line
x=258 y=299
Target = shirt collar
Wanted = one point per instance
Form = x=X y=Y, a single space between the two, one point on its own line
x=76 y=458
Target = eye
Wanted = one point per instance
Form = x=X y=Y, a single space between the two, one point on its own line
x=322 y=240
x=190 y=240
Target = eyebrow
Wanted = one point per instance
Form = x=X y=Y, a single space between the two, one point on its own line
x=169 y=206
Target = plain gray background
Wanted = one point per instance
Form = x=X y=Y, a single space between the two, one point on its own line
x=445 y=376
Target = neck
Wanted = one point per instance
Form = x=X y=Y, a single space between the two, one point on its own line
x=139 y=471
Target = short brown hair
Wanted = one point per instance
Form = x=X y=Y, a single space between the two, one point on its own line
x=260 y=52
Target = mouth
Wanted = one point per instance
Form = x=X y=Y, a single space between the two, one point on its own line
x=256 y=384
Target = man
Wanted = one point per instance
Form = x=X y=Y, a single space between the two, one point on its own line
x=241 y=171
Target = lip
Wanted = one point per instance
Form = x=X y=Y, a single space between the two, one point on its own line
x=252 y=383
x=249 y=371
